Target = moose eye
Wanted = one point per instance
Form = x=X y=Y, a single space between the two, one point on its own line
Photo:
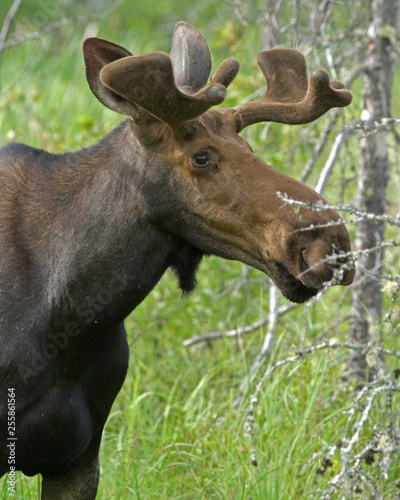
x=204 y=162
x=201 y=159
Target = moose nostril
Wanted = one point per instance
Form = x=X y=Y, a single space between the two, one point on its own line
x=308 y=277
x=349 y=272
x=314 y=276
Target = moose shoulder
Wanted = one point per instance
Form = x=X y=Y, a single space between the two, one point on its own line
x=86 y=236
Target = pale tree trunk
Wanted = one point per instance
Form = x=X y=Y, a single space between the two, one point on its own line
x=372 y=180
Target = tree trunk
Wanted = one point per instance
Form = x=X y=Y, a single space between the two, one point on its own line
x=372 y=180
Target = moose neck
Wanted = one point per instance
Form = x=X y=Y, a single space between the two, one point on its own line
x=105 y=252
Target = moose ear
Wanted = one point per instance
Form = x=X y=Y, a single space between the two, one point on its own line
x=97 y=54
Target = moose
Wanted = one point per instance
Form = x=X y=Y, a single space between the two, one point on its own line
x=85 y=236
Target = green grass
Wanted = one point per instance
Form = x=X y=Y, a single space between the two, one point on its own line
x=174 y=432
x=187 y=442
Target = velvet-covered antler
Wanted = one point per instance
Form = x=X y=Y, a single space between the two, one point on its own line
x=172 y=89
x=191 y=61
x=191 y=58
x=292 y=98
x=148 y=81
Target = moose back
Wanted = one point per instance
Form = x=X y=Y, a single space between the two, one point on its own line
x=85 y=236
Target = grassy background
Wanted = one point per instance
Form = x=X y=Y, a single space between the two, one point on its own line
x=173 y=432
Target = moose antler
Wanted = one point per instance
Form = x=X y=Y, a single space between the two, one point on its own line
x=290 y=97
x=152 y=86
x=174 y=88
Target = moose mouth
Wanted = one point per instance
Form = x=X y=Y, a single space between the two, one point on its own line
x=291 y=287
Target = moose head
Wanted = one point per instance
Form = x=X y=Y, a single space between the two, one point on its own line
x=202 y=179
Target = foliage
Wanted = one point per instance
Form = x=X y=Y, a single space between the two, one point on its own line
x=174 y=431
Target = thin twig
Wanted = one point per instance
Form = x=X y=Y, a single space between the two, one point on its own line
x=273 y=318
x=322 y=207
x=235 y=332
x=350 y=465
x=302 y=353
x=7 y=23
x=330 y=162
x=319 y=147
x=59 y=24
x=272 y=324
x=352 y=127
x=250 y=425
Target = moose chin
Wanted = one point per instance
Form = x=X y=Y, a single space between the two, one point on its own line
x=86 y=236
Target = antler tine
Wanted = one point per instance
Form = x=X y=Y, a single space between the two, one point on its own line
x=191 y=58
x=191 y=61
x=290 y=97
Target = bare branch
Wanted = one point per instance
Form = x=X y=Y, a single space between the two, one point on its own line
x=59 y=24
x=351 y=466
x=367 y=127
x=320 y=146
x=273 y=318
x=321 y=207
x=235 y=332
x=7 y=23
x=328 y=168
x=383 y=385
